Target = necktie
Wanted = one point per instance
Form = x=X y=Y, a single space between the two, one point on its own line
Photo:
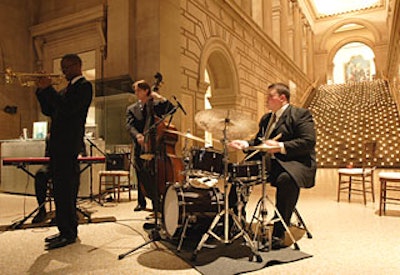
x=270 y=126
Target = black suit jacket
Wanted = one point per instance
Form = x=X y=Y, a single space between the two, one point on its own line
x=135 y=120
x=298 y=136
x=68 y=110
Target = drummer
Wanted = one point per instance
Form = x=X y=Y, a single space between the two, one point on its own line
x=290 y=134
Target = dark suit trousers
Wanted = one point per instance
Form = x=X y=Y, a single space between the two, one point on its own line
x=66 y=178
x=147 y=179
x=287 y=194
x=139 y=168
x=42 y=176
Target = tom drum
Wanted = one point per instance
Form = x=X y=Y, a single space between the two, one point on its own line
x=206 y=162
x=249 y=171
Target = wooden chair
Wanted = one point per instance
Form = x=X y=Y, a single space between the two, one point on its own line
x=358 y=180
x=116 y=178
x=390 y=181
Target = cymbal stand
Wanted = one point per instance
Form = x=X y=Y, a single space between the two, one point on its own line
x=186 y=160
x=263 y=224
x=243 y=195
x=189 y=217
x=225 y=213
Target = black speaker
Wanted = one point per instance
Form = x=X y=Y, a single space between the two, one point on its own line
x=117 y=161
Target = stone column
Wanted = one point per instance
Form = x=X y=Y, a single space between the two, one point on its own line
x=267 y=17
x=284 y=25
x=310 y=51
x=297 y=39
x=290 y=32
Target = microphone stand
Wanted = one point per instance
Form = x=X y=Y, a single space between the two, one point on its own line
x=95 y=146
x=92 y=144
x=154 y=234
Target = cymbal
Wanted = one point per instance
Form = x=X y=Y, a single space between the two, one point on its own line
x=238 y=126
x=185 y=135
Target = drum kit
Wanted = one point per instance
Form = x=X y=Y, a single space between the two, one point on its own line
x=198 y=197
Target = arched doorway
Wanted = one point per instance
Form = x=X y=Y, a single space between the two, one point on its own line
x=353 y=62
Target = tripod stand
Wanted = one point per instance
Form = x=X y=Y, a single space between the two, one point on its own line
x=226 y=213
x=154 y=234
x=18 y=224
x=264 y=225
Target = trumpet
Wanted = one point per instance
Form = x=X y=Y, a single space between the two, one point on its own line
x=30 y=79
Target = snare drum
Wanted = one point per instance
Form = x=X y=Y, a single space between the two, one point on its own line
x=206 y=162
x=248 y=171
x=182 y=201
x=203 y=182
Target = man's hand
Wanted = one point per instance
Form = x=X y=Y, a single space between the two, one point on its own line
x=140 y=139
x=43 y=82
x=238 y=144
x=273 y=143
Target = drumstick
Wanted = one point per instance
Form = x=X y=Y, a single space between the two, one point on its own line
x=277 y=137
x=249 y=156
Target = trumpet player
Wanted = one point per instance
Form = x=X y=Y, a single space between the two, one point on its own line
x=67 y=109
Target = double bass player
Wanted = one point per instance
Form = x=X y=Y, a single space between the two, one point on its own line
x=140 y=116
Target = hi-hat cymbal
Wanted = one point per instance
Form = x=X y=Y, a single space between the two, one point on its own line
x=186 y=135
x=263 y=147
x=238 y=126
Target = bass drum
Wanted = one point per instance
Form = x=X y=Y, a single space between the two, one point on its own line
x=180 y=202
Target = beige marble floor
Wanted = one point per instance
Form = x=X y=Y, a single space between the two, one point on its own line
x=348 y=238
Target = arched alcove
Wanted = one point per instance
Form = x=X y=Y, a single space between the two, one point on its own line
x=218 y=83
x=219 y=63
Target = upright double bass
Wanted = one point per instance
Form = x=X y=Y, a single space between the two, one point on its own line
x=159 y=151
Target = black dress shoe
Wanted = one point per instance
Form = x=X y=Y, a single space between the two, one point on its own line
x=110 y=199
x=151 y=216
x=40 y=217
x=52 y=238
x=148 y=226
x=59 y=242
x=277 y=243
x=139 y=208
x=53 y=221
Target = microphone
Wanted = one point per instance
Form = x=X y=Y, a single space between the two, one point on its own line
x=179 y=105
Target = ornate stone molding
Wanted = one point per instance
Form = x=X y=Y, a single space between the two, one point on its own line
x=68 y=21
x=80 y=23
